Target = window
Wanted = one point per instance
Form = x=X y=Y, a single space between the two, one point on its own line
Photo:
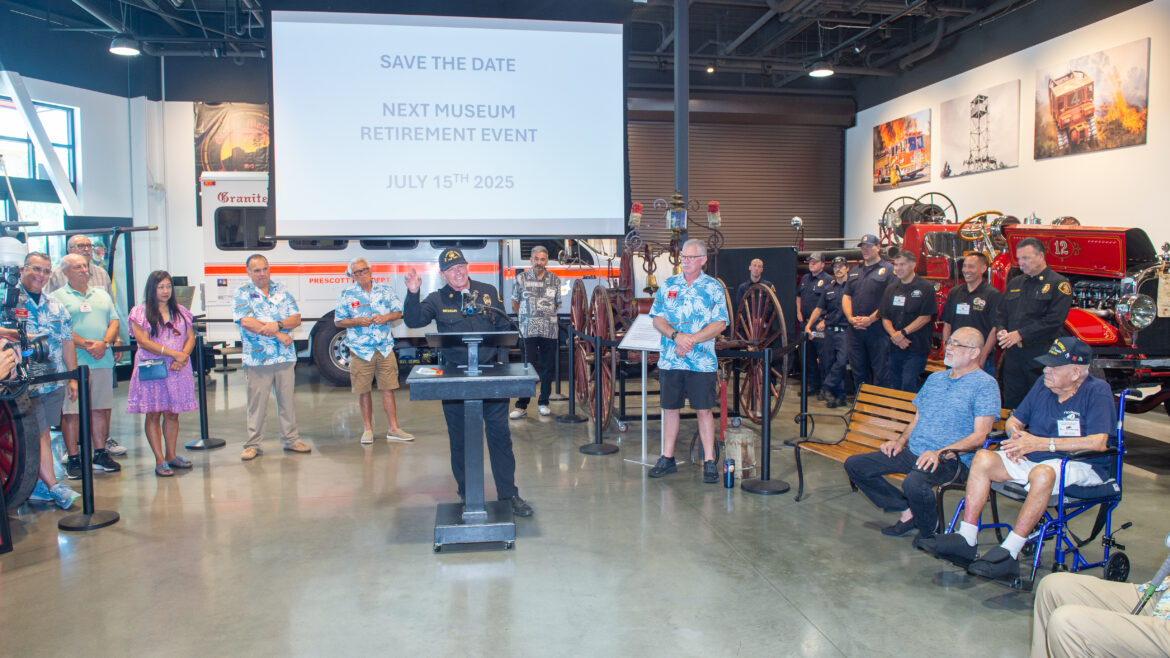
x=241 y=229
x=462 y=244
x=315 y=243
x=389 y=244
x=20 y=158
x=554 y=248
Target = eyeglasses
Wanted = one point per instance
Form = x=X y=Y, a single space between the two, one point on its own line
x=685 y=257
x=952 y=343
x=38 y=270
x=361 y=271
x=82 y=247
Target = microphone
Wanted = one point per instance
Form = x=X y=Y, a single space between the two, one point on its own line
x=1163 y=571
x=468 y=306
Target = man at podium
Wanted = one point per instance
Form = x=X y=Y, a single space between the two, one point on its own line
x=460 y=306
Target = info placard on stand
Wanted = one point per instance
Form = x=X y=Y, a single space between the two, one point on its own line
x=643 y=337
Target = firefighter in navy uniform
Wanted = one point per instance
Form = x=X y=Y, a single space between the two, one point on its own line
x=446 y=307
x=1031 y=316
x=829 y=318
x=808 y=295
x=869 y=345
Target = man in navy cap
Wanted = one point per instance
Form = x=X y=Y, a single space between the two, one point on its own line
x=808 y=294
x=868 y=342
x=1067 y=410
x=448 y=307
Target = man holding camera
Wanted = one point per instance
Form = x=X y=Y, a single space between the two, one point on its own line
x=48 y=320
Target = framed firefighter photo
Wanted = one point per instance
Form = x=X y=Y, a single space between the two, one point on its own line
x=1094 y=102
x=901 y=152
x=980 y=131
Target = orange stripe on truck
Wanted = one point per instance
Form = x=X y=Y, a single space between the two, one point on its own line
x=295 y=269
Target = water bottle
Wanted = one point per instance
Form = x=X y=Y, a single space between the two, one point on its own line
x=728 y=473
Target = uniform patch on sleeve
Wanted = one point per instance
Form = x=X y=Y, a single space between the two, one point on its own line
x=1064 y=288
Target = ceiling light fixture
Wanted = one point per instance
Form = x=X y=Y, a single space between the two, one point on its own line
x=820 y=69
x=124 y=46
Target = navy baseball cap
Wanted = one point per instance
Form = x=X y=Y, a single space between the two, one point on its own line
x=870 y=239
x=450 y=257
x=1066 y=351
x=840 y=260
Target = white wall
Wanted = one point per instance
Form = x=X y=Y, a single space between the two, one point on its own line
x=1118 y=187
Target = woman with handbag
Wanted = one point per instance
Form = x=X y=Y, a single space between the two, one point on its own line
x=162 y=385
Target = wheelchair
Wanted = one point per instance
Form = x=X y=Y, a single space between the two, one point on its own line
x=1066 y=504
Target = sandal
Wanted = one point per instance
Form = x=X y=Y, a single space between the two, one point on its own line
x=163 y=470
x=180 y=462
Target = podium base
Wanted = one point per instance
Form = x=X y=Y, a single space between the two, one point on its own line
x=494 y=526
x=83 y=521
x=765 y=487
x=571 y=418
x=210 y=444
x=598 y=449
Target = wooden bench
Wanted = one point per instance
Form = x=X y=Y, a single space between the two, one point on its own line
x=879 y=415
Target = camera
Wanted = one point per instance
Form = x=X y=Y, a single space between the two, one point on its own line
x=33 y=352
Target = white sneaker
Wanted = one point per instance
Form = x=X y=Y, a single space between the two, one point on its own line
x=114 y=448
x=518 y=413
x=544 y=410
x=367 y=437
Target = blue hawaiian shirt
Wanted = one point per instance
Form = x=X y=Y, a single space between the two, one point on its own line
x=689 y=308
x=278 y=305
x=49 y=319
x=357 y=303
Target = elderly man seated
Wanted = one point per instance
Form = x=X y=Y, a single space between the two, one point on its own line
x=1067 y=410
x=955 y=410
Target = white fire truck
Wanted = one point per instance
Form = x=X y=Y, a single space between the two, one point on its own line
x=234 y=208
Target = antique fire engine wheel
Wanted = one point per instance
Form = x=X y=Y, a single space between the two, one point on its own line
x=936 y=208
x=975 y=226
x=579 y=306
x=759 y=323
x=730 y=330
x=890 y=225
x=599 y=322
x=19 y=459
x=622 y=294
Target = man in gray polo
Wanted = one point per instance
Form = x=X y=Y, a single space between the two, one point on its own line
x=537 y=298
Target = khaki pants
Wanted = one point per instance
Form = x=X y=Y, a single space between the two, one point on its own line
x=278 y=379
x=1080 y=615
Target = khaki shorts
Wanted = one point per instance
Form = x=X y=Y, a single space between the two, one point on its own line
x=101 y=392
x=362 y=372
x=1076 y=474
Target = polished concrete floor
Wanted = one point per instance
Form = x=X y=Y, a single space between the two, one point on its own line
x=331 y=554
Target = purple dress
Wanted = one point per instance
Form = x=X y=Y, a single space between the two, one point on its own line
x=176 y=393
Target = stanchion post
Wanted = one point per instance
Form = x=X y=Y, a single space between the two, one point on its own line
x=89 y=518
x=804 y=388
x=764 y=485
x=205 y=441
x=556 y=396
x=572 y=416
x=598 y=447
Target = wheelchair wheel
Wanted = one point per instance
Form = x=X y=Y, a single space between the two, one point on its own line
x=1117 y=567
x=1029 y=549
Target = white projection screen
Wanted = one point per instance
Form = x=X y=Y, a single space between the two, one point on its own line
x=387 y=125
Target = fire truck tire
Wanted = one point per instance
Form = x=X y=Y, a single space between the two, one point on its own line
x=330 y=354
x=20 y=456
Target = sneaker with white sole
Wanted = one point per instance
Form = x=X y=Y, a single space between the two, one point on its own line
x=544 y=410
x=40 y=492
x=367 y=437
x=399 y=435
x=518 y=413
x=63 y=495
x=115 y=448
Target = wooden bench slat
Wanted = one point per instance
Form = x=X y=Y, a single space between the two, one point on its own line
x=871 y=443
x=877 y=421
x=875 y=432
x=888 y=392
x=880 y=411
x=885 y=402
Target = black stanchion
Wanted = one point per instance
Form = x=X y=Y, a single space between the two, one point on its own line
x=764 y=485
x=572 y=416
x=598 y=447
x=205 y=440
x=5 y=531
x=557 y=396
x=804 y=389
x=89 y=518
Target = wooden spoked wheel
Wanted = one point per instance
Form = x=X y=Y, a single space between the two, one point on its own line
x=730 y=330
x=599 y=322
x=579 y=306
x=623 y=294
x=759 y=323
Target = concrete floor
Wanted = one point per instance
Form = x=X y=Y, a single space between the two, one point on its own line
x=330 y=554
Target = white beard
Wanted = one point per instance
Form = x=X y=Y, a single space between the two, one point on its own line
x=948 y=360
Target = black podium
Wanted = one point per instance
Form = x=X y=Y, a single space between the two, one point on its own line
x=473 y=521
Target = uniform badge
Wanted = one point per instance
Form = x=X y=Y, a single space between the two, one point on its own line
x=979 y=303
x=820 y=283
x=1064 y=288
x=1046 y=288
x=881 y=271
x=915 y=293
x=487 y=299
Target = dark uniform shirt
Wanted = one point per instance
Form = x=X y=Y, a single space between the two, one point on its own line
x=902 y=303
x=866 y=284
x=445 y=305
x=1036 y=306
x=978 y=309
x=811 y=287
x=830 y=305
x=742 y=289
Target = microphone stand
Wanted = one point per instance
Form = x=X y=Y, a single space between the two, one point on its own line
x=475 y=305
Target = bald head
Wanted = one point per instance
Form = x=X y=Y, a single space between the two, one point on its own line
x=76 y=269
x=969 y=336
